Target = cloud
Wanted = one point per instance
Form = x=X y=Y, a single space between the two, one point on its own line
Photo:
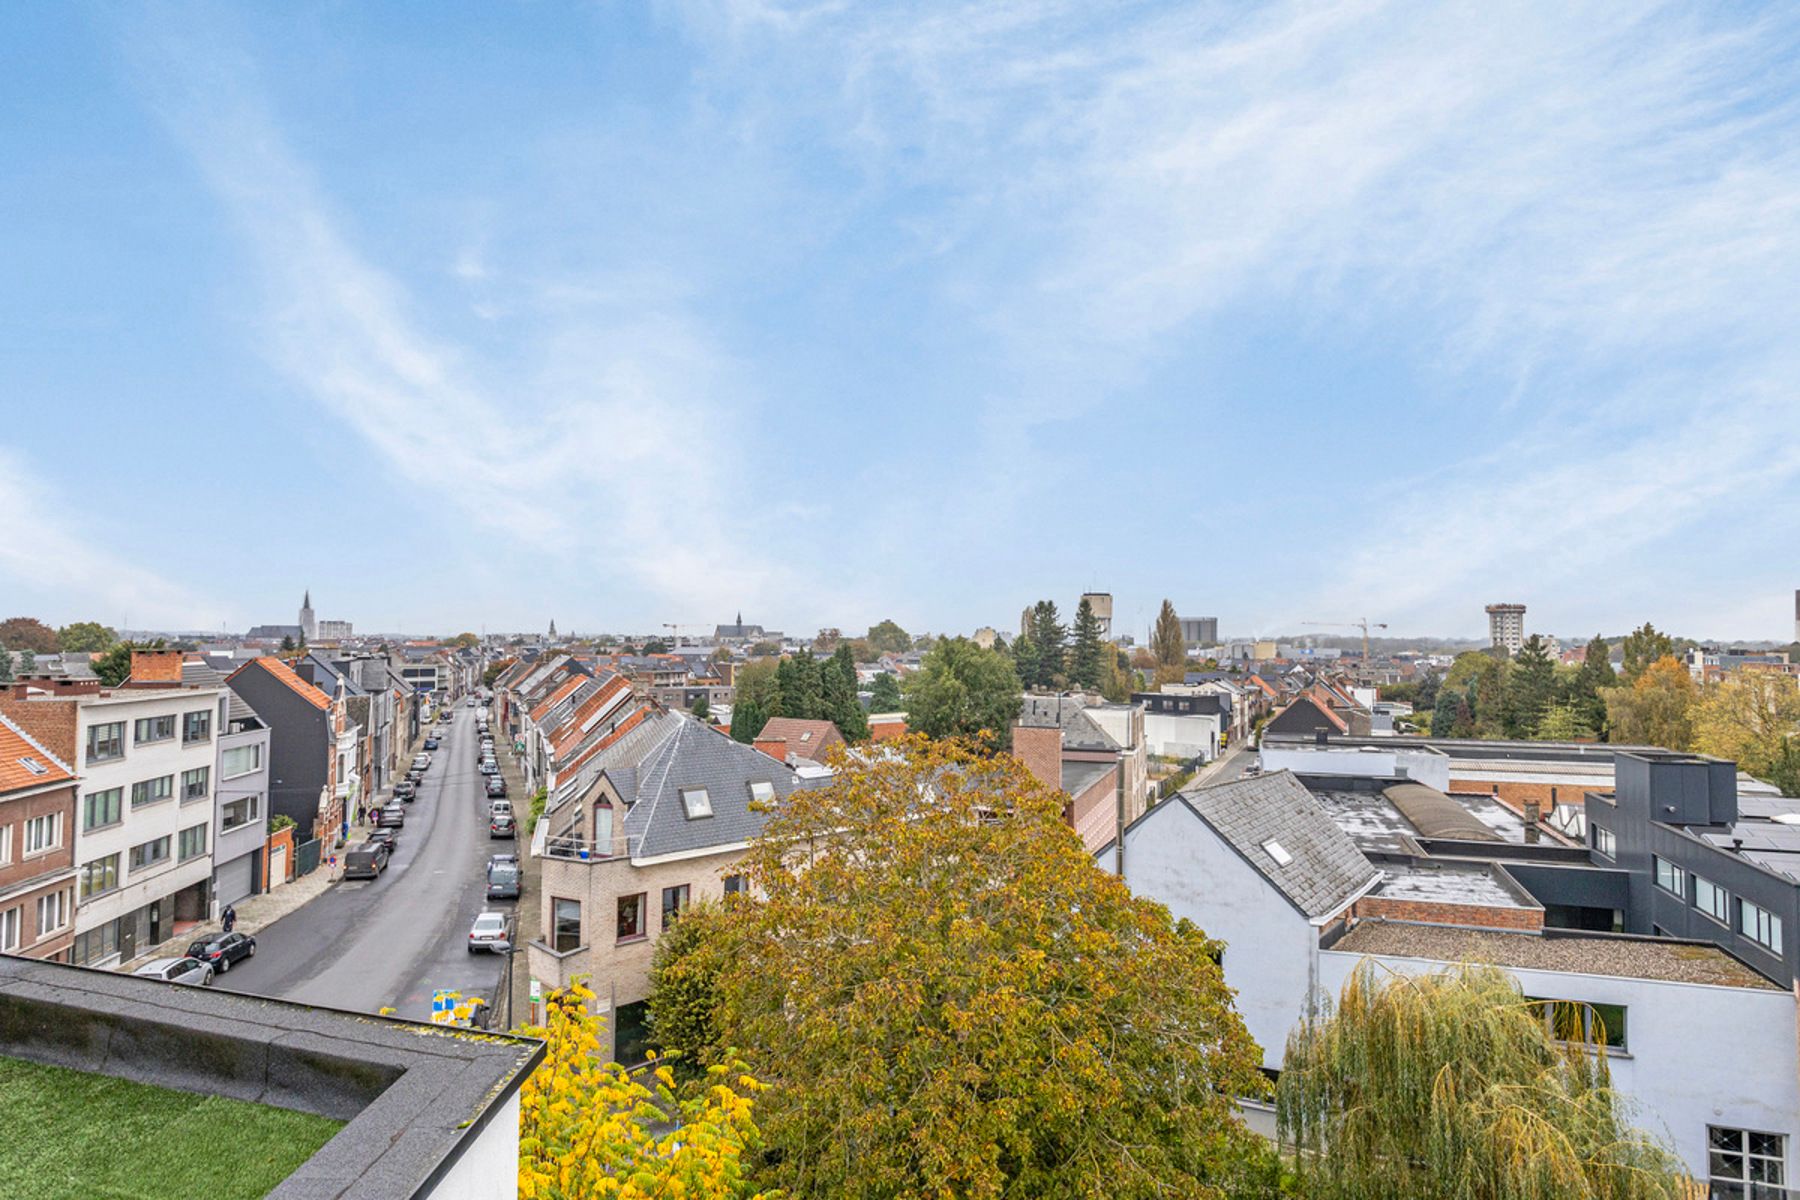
x=49 y=559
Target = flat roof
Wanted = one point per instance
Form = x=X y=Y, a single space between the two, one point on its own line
x=1579 y=954
x=1446 y=882
x=1373 y=822
x=414 y=1096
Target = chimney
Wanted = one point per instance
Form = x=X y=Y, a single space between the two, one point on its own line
x=1531 y=822
x=156 y=666
x=774 y=747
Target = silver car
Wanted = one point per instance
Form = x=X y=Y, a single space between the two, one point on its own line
x=491 y=932
x=178 y=970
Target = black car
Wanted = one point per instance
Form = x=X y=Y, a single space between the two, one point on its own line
x=222 y=949
x=366 y=861
x=431 y=743
x=496 y=786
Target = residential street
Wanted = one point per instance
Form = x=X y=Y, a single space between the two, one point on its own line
x=394 y=940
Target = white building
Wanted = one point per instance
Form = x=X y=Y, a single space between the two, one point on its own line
x=1506 y=626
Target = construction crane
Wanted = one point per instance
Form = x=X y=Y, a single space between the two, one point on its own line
x=679 y=626
x=1365 y=625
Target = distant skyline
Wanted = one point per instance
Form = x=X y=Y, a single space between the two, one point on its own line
x=623 y=315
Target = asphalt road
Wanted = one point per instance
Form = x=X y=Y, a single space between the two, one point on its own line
x=394 y=940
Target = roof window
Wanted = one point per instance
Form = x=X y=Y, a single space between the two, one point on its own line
x=761 y=791
x=696 y=803
x=1278 y=852
x=34 y=766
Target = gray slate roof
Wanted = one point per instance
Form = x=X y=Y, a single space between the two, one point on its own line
x=1326 y=868
x=1080 y=731
x=697 y=755
x=199 y=674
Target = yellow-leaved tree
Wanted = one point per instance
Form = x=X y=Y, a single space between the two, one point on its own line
x=1753 y=718
x=589 y=1131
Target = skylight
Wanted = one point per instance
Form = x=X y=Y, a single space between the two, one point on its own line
x=696 y=803
x=1276 y=851
x=762 y=791
x=34 y=766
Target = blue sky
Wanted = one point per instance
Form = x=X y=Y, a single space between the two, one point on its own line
x=483 y=314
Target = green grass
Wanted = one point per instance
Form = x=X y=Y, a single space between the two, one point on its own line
x=71 y=1135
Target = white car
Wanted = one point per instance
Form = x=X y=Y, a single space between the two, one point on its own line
x=490 y=932
x=178 y=970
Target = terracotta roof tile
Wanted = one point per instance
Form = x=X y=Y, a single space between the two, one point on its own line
x=280 y=670
x=24 y=763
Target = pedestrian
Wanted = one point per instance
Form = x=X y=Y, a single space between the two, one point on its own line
x=230 y=918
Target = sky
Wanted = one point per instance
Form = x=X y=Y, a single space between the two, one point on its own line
x=479 y=315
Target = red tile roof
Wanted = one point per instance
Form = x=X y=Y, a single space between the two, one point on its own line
x=17 y=748
x=281 y=671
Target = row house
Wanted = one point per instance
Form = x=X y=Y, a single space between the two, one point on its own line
x=1065 y=741
x=147 y=757
x=312 y=746
x=240 y=792
x=37 y=847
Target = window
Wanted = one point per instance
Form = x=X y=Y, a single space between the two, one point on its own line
x=631 y=917
x=196 y=726
x=1759 y=925
x=10 y=921
x=762 y=791
x=239 y=812
x=1671 y=878
x=148 y=854
x=674 y=900
x=5 y=844
x=96 y=944
x=1743 y=1159
x=192 y=842
x=52 y=912
x=106 y=741
x=1278 y=852
x=102 y=808
x=100 y=876
x=696 y=803
x=1712 y=900
x=33 y=765
x=565 y=925
x=152 y=791
x=734 y=884
x=43 y=833
x=1575 y=1021
x=1604 y=842
x=196 y=784
x=154 y=729
x=240 y=760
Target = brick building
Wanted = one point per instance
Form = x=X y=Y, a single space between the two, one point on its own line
x=37 y=847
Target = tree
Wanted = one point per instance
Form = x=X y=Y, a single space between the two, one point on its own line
x=946 y=997
x=1444 y=713
x=27 y=660
x=114 y=667
x=884 y=696
x=702 y=710
x=961 y=690
x=656 y=646
x=287 y=643
x=1530 y=688
x=1025 y=659
x=1087 y=660
x=1165 y=638
x=1642 y=647
x=463 y=641
x=802 y=689
x=28 y=633
x=1451 y=1085
x=758 y=681
x=1753 y=718
x=747 y=720
x=6 y=667
x=889 y=638
x=588 y=1130
x=684 y=991
x=86 y=637
x=1587 y=690
x=1115 y=675
x=1051 y=638
x=1562 y=723
x=1656 y=710
x=838 y=700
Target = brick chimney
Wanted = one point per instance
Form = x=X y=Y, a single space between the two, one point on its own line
x=774 y=747
x=156 y=666
x=1040 y=749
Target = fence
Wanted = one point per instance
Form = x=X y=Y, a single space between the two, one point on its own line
x=306 y=858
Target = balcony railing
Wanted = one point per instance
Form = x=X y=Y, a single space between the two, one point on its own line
x=578 y=849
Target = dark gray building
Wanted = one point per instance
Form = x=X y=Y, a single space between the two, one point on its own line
x=301 y=739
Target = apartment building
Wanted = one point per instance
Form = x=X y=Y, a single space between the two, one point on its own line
x=37 y=847
x=240 y=794
x=147 y=755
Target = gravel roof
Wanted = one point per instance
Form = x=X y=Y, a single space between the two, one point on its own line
x=1624 y=957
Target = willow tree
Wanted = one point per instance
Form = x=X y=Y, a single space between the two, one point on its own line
x=1452 y=1085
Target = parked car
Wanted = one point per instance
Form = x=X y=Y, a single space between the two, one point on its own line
x=192 y=970
x=506 y=858
x=421 y=760
x=496 y=807
x=431 y=743
x=415 y=775
x=220 y=950
x=491 y=932
x=471 y=702
x=503 y=880
x=496 y=786
x=501 y=825
x=386 y=836
x=366 y=861
x=489 y=766
x=406 y=789
x=391 y=813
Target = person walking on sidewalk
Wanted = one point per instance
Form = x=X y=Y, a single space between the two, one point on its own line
x=230 y=918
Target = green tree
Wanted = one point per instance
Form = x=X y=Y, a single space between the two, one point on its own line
x=464 y=641
x=747 y=719
x=1562 y=723
x=1753 y=719
x=702 y=710
x=1656 y=710
x=1446 y=1086
x=961 y=690
x=1587 y=690
x=1025 y=659
x=86 y=637
x=287 y=643
x=1445 y=712
x=885 y=694
x=759 y=681
x=683 y=1012
x=838 y=696
x=1087 y=661
x=1530 y=688
x=942 y=1003
x=28 y=633
x=656 y=646
x=889 y=638
x=114 y=667
x=6 y=667
x=802 y=689
x=1051 y=637
x=1165 y=639
x=1642 y=647
x=28 y=660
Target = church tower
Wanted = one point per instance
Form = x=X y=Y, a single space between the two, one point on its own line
x=308 y=627
x=553 y=629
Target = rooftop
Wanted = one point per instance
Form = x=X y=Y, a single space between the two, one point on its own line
x=1579 y=954
x=1436 y=881
x=1375 y=823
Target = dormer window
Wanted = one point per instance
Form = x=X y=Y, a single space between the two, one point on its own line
x=696 y=803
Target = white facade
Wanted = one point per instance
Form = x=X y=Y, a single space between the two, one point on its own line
x=489 y=1166
x=242 y=810
x=152 y=804
x=1696 y=1055
x=1419 y=764
x=1183 y=735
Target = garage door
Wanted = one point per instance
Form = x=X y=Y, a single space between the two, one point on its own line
x=234 y=880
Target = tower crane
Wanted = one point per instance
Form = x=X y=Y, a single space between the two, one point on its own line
x=1364 y=624
x=679 y=626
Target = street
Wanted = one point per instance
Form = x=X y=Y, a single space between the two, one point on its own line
x=394 y=940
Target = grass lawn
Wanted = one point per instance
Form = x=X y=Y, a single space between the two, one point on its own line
x=75 y=1136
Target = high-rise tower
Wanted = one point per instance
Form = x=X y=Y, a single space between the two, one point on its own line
x=1506 y=626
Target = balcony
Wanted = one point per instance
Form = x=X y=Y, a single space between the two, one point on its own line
x=575 y=849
